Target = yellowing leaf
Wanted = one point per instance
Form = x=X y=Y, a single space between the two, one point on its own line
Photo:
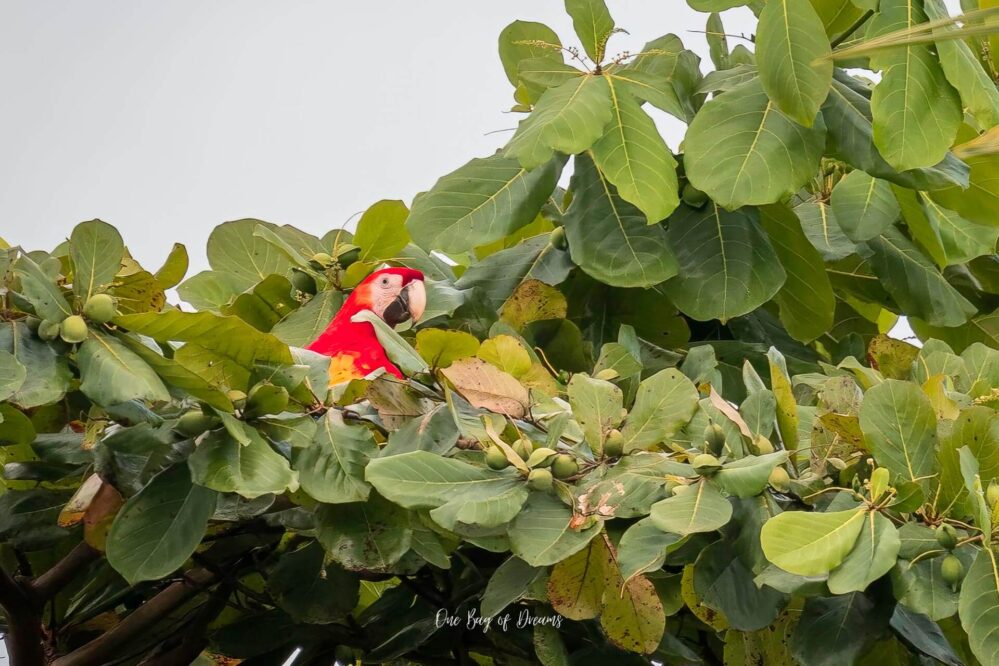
x=487 y=386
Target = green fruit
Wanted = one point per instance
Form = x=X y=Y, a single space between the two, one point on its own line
x=557 y=238
x=99 y=308
x=780 y=479
x=303 y=282
x=348 y=257
x=540 y=479
x=714 y=438
x=705 y=464
x=763 y=445
x=237 y=398
x=541 y=457
x=523 y=448
x=992 y=493
x=614 y=444
x=564 y=466
x=321 y=261
x=693 y=196
x=32 y=323
x=952 y=570
x=946 y=536
x=265 y=398
x=73 y=329
x=495 y=458
x=195 y=422
x=48 y=329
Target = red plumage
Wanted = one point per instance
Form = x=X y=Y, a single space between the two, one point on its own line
x=353 y=346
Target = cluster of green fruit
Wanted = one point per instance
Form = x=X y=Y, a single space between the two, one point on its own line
x=951 y=569
x=544 y=464
x=99 y=308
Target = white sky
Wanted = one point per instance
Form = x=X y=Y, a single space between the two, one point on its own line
x=167 y=118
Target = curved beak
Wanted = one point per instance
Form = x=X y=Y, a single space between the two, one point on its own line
x=409 y=304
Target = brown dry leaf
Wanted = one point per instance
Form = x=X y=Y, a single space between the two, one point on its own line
x=488 y=387
x=731 y=412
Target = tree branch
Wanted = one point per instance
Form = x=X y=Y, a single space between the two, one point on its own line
x=194 y=638
x=145 y=616
x=24 y=627
x=62 y=573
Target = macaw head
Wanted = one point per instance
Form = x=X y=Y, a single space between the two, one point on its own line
x=394 y=294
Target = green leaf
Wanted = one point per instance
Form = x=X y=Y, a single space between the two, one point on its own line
x=222 y=463
x=593 y=25
x=963 y=70
x=609 y=238
x=111 y=373
x=644 y=547
x=724 y=582
x=728 y=267
x=806 y=298
x=837 y=630
x=485 y=508
x=577 y=583
x=496 y=277
x=714 y=33
x=508 y=583
x=919 y=585
x=979 y=606
x=159 y=528
x=96 y=249
x=307 y=322
x=440 y=348
x=981 y=198
x=568 y=118
x=12 y=375
x=914 y=282
x=873 y=555
x=787 y=407
x=174 y=268
x=811 y=544
x=423 y=480
x=49 y=374
x=596 y=406
x=900 y=425
x=864 y=206
x=523 y=40
x=480 y=202
x=916 y=111
x=176 y=375
x=541 y=534
x=821 y=227
x=381 y=231
x=790 y=39
x=633 y=617
x=366 y=536
x=309 y=590
x=634 y=158
x=748 y=476
x=41 y=290
x=234 y=249
x=211 y=290
x=700 y=509
x=976 y=489
x=958 y=240
x=331 y=469
x=401 y=353
x=665 y=402
x=740 y=149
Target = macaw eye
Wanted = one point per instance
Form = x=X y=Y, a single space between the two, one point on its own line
x=385 y=281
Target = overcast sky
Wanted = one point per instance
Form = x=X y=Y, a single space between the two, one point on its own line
x=167 y=118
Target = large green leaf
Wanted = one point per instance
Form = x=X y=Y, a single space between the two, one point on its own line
x=41 y=291
x=568 y=118
x=381 y=231
x=593 y=25
x=821 y=227
x=864 y=206
x=979 y=606
x=633 y=156
x=724 y=581
x=158 y=529
x=980 y=200
x=234 y=249
x=12 y=375
x=957 y=239
x=837 y=630
x=541 y=534
x=331 y=469
x=309 y=590
x=665 y=402
x=900 y=426
x=811 y=544
x=916 y=111
x=873 y=555
x=96 y=249
x=914 y=282
x=790 y=38
x=609 y=238
x=49 y=374
x=480 y=202
x=596 y=406
x=364 y=536
x=420 y=479
x=728 y=267
x=482 y=509
x=806 y=299
x=747 y=477
x=176 y=375
x=976 y=428
x=700 y=509
x=222 y=463
x=644 y=547
x=112 y=373
x=964 y=71
x=509 y=583
x=495 y=277
x=523 y=40
x=741 y=149
x=307 y=322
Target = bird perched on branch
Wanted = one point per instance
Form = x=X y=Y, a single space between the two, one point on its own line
x=393 y=294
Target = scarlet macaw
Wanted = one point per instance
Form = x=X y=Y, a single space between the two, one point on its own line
x=395 y=295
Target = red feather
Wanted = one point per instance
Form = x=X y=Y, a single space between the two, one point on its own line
x=356 y=341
